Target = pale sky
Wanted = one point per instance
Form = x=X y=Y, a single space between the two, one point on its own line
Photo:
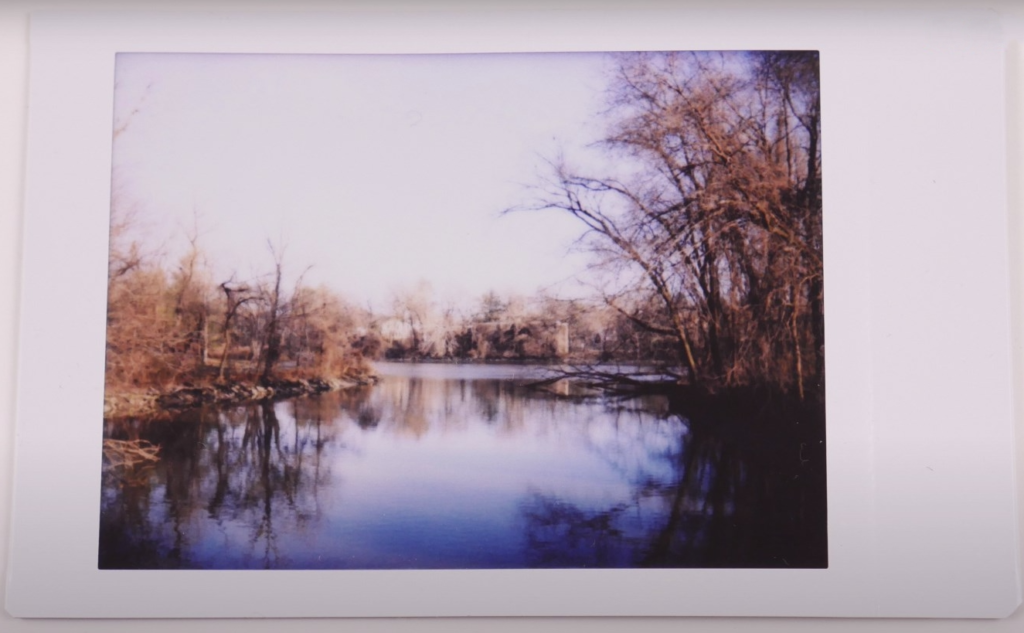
x=378 y=171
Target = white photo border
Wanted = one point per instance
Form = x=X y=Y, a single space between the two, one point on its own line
x=921 y=512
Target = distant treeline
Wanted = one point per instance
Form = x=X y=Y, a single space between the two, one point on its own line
x=174 y=325
x=539 y=328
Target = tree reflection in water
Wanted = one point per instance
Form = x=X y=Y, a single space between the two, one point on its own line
x=745 y=488
x=428 y=472
x=219 y=469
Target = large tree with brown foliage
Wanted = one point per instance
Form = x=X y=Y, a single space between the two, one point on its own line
x=709 y=225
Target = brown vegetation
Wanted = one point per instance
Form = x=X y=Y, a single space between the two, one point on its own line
x=169 y=328
x=710 y=230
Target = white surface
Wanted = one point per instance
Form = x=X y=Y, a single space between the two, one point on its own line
x=920 y=478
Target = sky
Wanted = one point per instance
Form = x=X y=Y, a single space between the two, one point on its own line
x=374 y=171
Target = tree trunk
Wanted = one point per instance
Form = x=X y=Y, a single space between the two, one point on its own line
x=798 y=356
x=221 y=372
x=272 y=349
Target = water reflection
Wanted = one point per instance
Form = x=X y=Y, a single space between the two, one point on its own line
x=723 y=497
x=443 y=470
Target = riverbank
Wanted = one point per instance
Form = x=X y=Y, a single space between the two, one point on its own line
x=436 y=360
x=122 y=404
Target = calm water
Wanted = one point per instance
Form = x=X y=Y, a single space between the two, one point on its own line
x=442 y=466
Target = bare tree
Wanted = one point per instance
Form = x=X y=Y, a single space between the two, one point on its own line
x=710 y=229
x=272 y=340
x=235 y=296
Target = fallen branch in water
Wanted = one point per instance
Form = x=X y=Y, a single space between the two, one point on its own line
x=128 y=453
x=610 y=379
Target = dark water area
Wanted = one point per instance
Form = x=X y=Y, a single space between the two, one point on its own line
x=466 y=467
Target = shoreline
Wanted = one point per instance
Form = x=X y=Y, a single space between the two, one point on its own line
x=125 y=404
x=476 y=361
x=542 y=361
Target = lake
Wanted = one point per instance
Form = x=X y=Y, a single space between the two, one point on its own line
x=443 y=466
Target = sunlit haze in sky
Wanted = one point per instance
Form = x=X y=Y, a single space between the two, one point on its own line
x=378 y=171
